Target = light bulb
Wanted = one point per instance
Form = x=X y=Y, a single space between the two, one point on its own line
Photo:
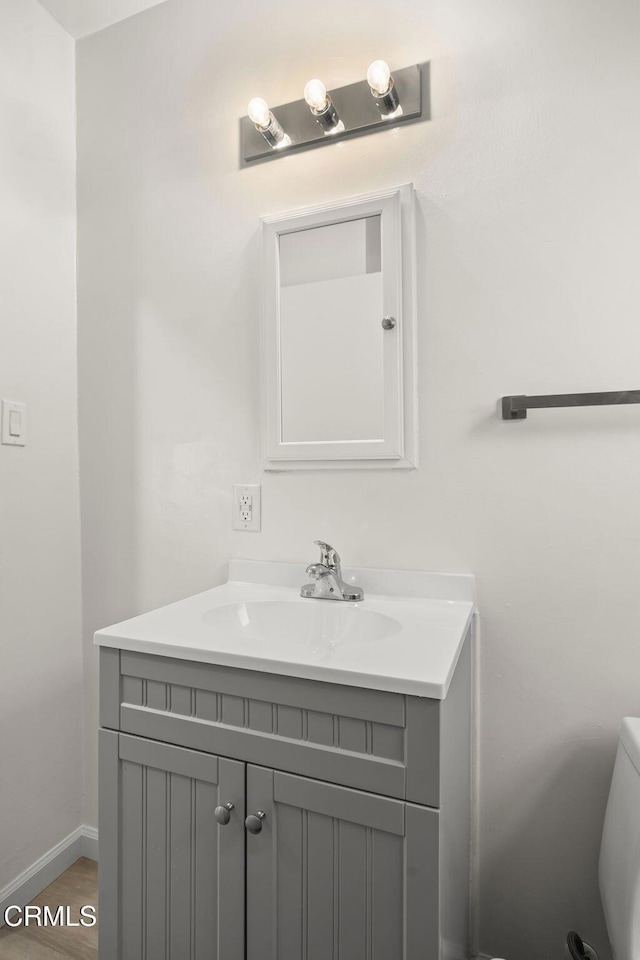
x=266 y=124
x=315 y=93
x=259 y=113
x=378 y=77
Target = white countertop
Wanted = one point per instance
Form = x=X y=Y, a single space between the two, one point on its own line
x=405 y=636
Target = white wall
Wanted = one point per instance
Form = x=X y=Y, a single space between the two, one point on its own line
x=80 y=17
x=40 y=641
x=528 y=283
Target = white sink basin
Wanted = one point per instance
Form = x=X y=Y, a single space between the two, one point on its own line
x=405 y=636
x=318 y=625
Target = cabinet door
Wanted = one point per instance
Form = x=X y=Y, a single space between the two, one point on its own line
x=171 y=877
x=338 y=874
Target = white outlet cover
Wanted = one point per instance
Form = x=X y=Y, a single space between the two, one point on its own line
x=247 y=507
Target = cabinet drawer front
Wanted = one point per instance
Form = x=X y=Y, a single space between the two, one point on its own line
x=328 y=874
x=368 y=739
x=231 y=684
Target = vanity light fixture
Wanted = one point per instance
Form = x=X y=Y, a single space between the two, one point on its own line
x=383 y=89
x=380 y=100
x=266 y=124
x=322 y=108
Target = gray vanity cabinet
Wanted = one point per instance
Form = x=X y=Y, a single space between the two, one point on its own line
x=328 y=873
x=357 y=843
x=180 y=882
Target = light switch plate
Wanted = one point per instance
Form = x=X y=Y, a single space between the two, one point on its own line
x=14 y=423
x=247 y=512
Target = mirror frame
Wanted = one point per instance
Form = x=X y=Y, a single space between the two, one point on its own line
x=399 y=447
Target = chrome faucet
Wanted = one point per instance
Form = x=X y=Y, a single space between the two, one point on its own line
x=327 y=576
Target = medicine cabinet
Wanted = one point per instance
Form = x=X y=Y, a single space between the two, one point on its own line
x=339 y=334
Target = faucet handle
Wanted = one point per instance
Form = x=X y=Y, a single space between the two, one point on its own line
x=329 y=555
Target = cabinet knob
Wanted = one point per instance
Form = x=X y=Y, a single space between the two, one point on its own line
x=223 y=813
x=388 y=323
x=253 y=823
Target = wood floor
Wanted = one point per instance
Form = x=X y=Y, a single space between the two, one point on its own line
x=77 y=887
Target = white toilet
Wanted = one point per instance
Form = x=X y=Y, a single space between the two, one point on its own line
x=619 y=870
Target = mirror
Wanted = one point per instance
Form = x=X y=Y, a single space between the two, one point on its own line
x=330 y=300
x=339 y=377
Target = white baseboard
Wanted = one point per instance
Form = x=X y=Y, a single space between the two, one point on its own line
x=89 y=843
x=83 y=842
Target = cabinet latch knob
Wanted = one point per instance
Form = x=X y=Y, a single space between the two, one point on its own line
x=253 y=823
x=223 y=813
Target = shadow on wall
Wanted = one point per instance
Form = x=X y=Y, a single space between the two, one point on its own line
x=107 y=415
x=107 y=420
x=562 y=797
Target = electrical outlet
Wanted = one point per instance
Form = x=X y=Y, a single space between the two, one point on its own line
x=246 y=507
x=247 y=512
